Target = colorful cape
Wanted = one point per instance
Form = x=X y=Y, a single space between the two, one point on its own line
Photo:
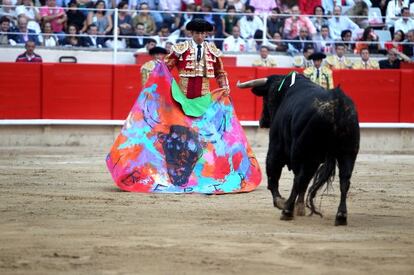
x=161 y=149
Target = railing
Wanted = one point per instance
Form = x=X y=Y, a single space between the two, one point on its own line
x=263 y=16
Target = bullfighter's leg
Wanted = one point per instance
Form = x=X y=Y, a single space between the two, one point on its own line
x=273 y=171
x=300 y=185
x=346 y=165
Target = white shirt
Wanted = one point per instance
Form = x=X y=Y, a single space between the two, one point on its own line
x=248 y=28
x=231 y=44
x=338 y=24
x=194 y=44
x=394 y=10
x=405 y=26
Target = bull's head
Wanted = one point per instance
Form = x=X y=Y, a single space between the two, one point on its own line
x=267 y=88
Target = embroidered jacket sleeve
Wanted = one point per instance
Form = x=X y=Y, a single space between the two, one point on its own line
x=219 y=72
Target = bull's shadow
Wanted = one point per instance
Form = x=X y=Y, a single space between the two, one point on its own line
x=311 y=130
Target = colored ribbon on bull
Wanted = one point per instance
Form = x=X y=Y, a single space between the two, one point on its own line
x=293 y=74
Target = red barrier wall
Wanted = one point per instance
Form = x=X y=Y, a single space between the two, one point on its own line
x=72 y=91
x=20 y=91
x=83 y=91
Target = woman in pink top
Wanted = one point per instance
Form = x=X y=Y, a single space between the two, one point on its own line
x=53 y=14
x=296 y=22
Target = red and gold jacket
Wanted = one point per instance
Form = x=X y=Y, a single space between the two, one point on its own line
x=195 y=76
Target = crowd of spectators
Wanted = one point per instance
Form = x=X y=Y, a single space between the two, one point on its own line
x=291 y=26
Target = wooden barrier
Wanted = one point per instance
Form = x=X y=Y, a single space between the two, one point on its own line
x=84 y=91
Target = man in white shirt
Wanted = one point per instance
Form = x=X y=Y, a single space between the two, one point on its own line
x=234 y=43
x=405 y=23
x=249 y=23
x=339 y=23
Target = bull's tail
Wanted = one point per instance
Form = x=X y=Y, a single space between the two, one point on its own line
x=324 y=174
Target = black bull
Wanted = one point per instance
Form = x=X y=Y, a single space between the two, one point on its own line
x=311 y=130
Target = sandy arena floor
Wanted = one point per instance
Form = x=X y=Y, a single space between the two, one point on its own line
x=60 y=213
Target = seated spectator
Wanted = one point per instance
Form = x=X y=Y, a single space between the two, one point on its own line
x=55 y=15
x=295 y=23
x=340 y=22
x=153 y=6
x=307 y=7
x=150 y=43
x=396 y=42
x=369 y=40
x=339 y=60
x=329 y=5
x=393 y=12
x=124 y=19
x=210 y=16
x=48 y=38
x=215 y=37
x=168 y=46
x=72 y=39
x=76 y=17
x=100 y=18
x=359 y=14
x=29 y=55
x=238 y=5
x=23 y=33
x=365 y=62
x=263 y=6
x=184 y=36
x=8 y=10
x=323 y=40
x=392 y=62
x=264 y=60
x=408 y=46
x=92 y=40
x=254 y=44
x=279 y=45
x=4 y=29
x=275 y=23
x=229 y=20
x=163 y=36
x=170 y=18
x=249 y=23
x=28 y=10
x=234 y=43
x=405 y=23
x=146 y=19
x=318 y=20
x=187 y=17
x=303 y=40
x=140 y=38
x=346 y=38
x=303 y=61
x=319 y=74
x=119 y=43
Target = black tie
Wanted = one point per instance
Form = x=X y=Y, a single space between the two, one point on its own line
x=317 y=73
x=198 y=53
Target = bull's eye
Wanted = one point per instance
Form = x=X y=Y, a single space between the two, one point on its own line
x=191 y=146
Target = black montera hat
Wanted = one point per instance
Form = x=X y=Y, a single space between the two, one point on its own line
x=157 y=50
x=317 y=56
x=199 y=25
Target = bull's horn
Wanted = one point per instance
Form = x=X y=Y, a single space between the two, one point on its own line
x=252 y=83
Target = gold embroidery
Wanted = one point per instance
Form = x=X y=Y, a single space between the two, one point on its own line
x=180 y=48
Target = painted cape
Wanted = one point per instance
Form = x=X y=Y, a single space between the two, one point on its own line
x=160 y=149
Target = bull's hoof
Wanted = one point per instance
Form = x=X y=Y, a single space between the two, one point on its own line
x=300 y=209
x=279 y=202
x=286 y=215
x=341 y=219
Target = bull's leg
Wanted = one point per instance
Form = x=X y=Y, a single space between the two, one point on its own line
x=346 y=166
x=300 y=185
x=300 y=205
x=273 y=171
